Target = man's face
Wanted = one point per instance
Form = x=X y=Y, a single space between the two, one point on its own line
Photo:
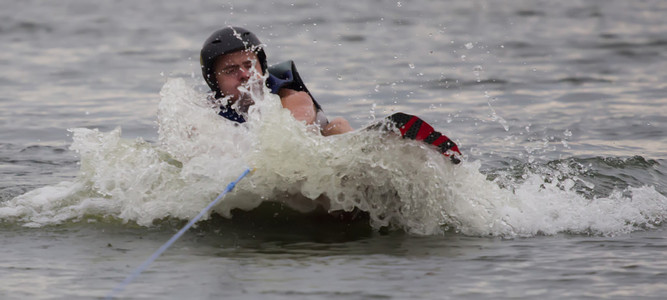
x=232 y=70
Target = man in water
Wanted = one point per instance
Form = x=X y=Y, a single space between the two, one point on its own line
x=233 y=58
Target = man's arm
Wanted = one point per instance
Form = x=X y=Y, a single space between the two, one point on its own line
x=302 y=108
x=299 y=103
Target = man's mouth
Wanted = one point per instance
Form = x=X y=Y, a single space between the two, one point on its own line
x=244 y=102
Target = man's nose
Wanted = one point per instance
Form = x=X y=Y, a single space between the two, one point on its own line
x=244 y=73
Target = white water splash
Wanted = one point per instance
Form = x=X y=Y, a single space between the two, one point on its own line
x=401 y=183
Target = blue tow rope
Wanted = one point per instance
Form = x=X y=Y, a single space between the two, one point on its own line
x=119 y=288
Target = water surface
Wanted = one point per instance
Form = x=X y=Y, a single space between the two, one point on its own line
x=556 y=106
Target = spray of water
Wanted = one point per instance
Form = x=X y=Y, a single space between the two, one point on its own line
x=402 y=184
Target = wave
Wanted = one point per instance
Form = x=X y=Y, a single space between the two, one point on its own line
x=400 y=184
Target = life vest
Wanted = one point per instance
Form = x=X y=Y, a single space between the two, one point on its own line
x=282 y=75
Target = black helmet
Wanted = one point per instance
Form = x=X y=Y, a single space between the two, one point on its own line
x=228 y=40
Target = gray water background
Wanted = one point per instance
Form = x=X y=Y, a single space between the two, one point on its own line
x=503 y=78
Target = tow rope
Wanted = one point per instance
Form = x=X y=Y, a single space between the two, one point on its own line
x=120 y=287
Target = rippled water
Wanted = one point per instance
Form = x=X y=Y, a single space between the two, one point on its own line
x=558 y=108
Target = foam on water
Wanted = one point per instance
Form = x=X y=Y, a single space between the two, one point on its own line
x=402 y=184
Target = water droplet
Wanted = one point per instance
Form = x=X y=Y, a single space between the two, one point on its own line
x=477 y=70
x=412 y=66
x=567 y=133
x=399 y=4
x=339 y=77
x=469 y=46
